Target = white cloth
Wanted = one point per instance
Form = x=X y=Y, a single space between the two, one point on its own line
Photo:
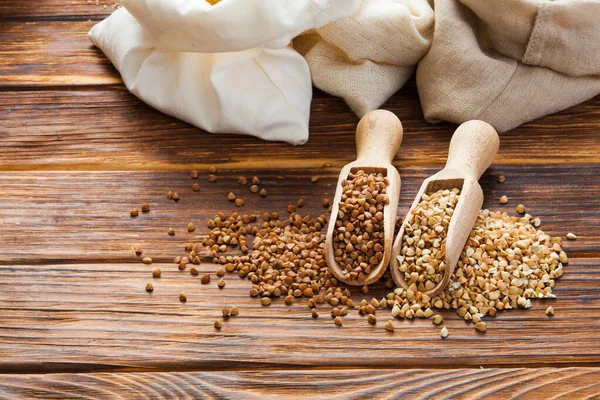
x=223 y=68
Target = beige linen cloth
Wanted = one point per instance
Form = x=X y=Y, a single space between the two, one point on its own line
x=368 y=56
x=510 y=61
x=503 y=61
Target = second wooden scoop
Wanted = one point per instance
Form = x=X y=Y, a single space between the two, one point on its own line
x=472 y=150
x=378 y=138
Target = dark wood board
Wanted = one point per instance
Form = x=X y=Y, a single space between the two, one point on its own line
x=534 y=384
x=58 y=10
x=98 y=317
x=78 y=216
x=110 y=129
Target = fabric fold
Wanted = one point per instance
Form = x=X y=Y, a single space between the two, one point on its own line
x=260 y=92
x=232 y=25
x=367 y=57
x=493 y=60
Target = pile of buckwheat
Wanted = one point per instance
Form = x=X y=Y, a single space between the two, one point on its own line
x=505 y=264
x=423 y=249
x=358 y=239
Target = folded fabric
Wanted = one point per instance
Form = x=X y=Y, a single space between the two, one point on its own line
x=227 y=68
x=232 y=25
x=368 y=56
x=200 y=75
x=508 y=62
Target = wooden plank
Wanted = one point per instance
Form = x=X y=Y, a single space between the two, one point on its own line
x=567 y=383
x=55 y=9
x=51 y=53
x=98 y=317
x=80 y=216
x=110 y=129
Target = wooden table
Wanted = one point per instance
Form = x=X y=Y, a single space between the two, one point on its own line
x=78 y=152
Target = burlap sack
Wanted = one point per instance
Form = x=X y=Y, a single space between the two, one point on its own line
x=508 y=62
x=368 y=56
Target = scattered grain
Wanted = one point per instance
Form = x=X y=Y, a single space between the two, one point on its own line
x=217 y=325
x=521 y=209
x=212 y=178
x=182 y=297
x=571 y=236
x=265 y=301
x=149 y=288
x=134 y=212
x=156 y=273
x=145 y=208
x=314 y=179
x=234 y=311
x=239 y=202
x=254 y=188
x=196 y=187
x=301 y=202
x=221 y=283
x=501 y=178
x=242 y=180
x=444 y=332
x=437 y=319
x=191 y=227
x=503 y=200
x=226 y=312
x=389 y=325
x=263 y=192
x=338 y=321
x=255 y=180
x=171 y=232
x=194 y=174
x=147 y=260
x=549 y=311
x=205 y=280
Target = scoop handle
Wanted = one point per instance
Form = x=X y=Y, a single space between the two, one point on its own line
x=378 y=138
x=473 y=148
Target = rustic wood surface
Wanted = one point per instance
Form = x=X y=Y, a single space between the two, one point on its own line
x=77 y=152
x=535 y=384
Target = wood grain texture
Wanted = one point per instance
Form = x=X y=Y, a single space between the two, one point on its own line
x=556 y=383
x=64 y=10
x=83 y=216
x=77 y=152
x=110 y=129
x=56 y=53
x=98 y=317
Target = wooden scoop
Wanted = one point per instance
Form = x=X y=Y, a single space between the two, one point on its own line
x=472 y=149
x=378 y=138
